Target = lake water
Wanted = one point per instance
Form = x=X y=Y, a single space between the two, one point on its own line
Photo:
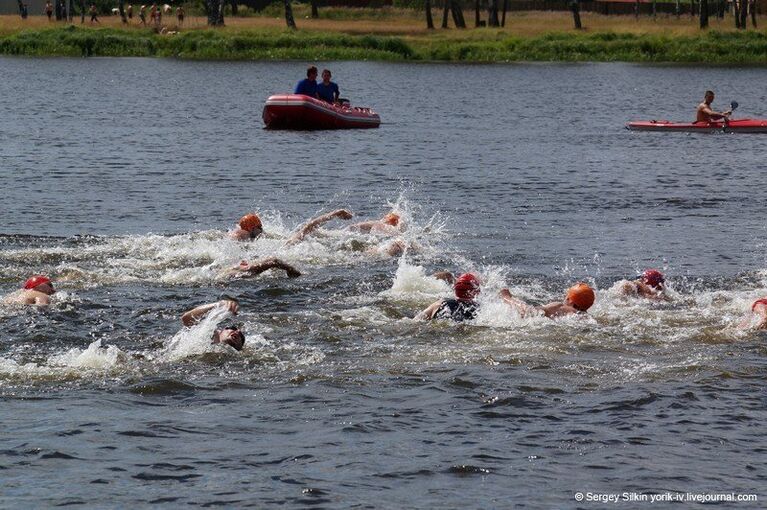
x=120 y=176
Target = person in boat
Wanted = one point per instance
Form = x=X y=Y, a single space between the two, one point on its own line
x=463 y=307
x=649 y=285
x=390 y=224
x=578 y=299
x=250 y=227
x=37 y=290
x=326 y=89
x=706 y=114
x=229 y=335
x=308 y=86
x=247 y=269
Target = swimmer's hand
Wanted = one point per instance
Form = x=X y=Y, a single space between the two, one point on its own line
x=231 y=306
x=343 y=214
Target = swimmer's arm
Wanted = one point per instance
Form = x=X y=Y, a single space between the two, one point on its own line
x=363 y=226
x=445 y=276
x=317 y=222
x=271 y=263
x=42 y=300
x=429 y=313
x=195 y=315
x=517 y=304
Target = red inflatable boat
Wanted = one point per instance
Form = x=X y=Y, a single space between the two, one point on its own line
x=295 y=111
x=731 y=126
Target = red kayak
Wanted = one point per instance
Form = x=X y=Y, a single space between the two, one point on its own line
x=296 y=111
x=731 y=126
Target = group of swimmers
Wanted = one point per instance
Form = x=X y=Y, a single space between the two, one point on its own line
x=464 y=306
x=326 y=90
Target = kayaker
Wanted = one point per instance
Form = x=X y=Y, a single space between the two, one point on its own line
x=463 y=308
x=706 y=114
x=578 y=299
x=650 y=285
x=327 y=90
x=230 y=335
x=308 y=86
x=35 y=291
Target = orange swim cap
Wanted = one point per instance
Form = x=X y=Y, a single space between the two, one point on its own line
x=580 y=296
x=35 y=280
x=466 y=287
x=250 y=222
x=391 y=219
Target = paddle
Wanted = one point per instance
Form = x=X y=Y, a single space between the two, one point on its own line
x=733 y=106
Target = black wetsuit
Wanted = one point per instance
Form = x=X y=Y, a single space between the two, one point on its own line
x=457 y=310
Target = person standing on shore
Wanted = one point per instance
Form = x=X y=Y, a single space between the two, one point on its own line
x=308 y=86
x=705 y=113
x=49 y=10
x=129 y=11
x=327 y=90
x=93 y=12
x=142 y=14
x=180 y=15
x=153 y=14
x=35 y=291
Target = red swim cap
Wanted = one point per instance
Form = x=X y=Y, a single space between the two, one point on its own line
x=250 y=222
x=35 y=280
x=762 y=301
x=466 y=287
x=653 y=278
x=391 y=219
x=581 y=296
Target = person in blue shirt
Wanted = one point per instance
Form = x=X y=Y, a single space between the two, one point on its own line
x=308 y=86
x=327 y=90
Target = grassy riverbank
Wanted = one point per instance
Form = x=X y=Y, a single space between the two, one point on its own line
x=400 y=36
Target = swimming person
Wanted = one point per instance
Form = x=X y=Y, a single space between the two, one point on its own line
x=247 y=269
x=327 y=90
x=35 y=291
x=578 y=299
x=390 y=224
x=705 y=113
x=229 y=335
x=463 y=308
x=308 y=86
x=650 y=284
x=250 y=226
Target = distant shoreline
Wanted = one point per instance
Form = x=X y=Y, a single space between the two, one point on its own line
x=399 y=40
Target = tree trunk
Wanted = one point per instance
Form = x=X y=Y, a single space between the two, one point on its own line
x=752 y=8
x=445 y=10
x=455 y=8
x=636 y=9
x=721 y=7
x=121 y=8
x=654 y=9
x=316 y=10
x=82 y=11
x=289 y=15
x=575 y=7
x=215 y=9
x=71 y=10
x=503 y=14
x=676 y=9
x=743 y=14
x=234 y=7
x=429 y=20
x=493 y=14
x=736 y=13
x=476 y=13
x=692 y=8
x=703 y=14
x=58 y=10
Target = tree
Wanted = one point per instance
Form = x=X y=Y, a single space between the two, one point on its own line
x=429 y=20
x=121 y=8
x=752 y=8
x=503 y=15
x=82 y=11
x=476 y=13
x=492 y=18
x=71 y=10
x=445 y=11
x=743 y=14
x=315 y=9
x=289 y=15
x=455 y=8
x=703 y=14
x=234 y=7
x=575 y=7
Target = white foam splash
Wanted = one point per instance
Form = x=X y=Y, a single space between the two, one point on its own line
x=94 y=357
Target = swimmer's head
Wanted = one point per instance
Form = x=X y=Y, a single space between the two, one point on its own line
x=231 y=335
x=466 y=287
x=251 y=223
x=653 y=278
x=391 y=219
x=580 y=296
x=762 y=301
x=39 y=283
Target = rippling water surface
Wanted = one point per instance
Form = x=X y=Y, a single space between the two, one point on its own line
x=119 y=178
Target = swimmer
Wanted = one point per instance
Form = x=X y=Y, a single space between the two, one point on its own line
x=250 y=226
x=230 y=335
x=245 y=269
x=650 y=285
x=757 y=318
x=35 y=291
x=388 y=225
x=578 y=299
x=462 y=308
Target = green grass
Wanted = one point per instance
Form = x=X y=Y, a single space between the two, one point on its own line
x=274 y=44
